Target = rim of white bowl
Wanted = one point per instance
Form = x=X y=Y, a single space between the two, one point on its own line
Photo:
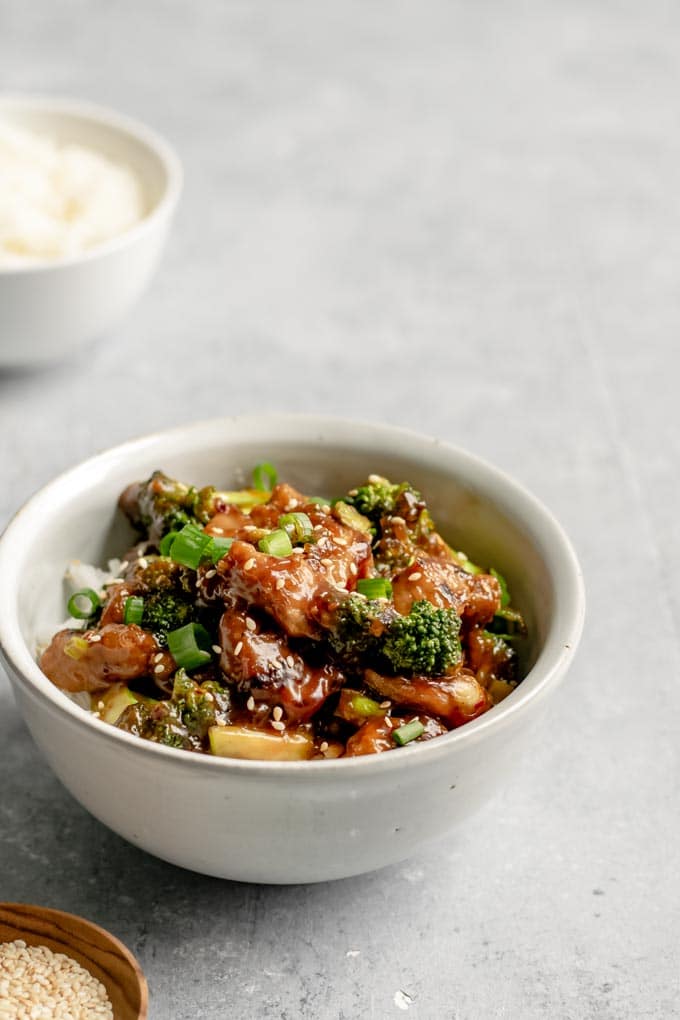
x=140 y=132
x=552 y=662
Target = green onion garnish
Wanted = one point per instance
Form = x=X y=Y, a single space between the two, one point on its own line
x=83 y=604
x=375 y=587
x=189 y=645
x=76 y=647
x=190 y=546
x=505 y=594
x=276 y=543
x=365 y=706
x=166 y=543
x=298 y=526
x=264 y=477
x=133 y=609
x=218 y=548
x=410 y=731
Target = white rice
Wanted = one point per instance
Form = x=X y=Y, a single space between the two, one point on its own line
x=59 y=200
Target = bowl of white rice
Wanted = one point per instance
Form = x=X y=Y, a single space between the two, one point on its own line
x=86 y=199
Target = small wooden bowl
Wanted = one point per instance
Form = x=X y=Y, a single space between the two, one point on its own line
x=92 y=947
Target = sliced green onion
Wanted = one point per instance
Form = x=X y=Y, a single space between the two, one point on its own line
x=218 y=548
x=505 y=594
x=189 y=646
x=133 y=609
x=276 y=543
x=264 y=477
x=375 y=587
x=83 y=604
x=190 y=546
x=166 y=543
x=298 y=526
x=76 y=647
x=245 y=498
x=410 y=731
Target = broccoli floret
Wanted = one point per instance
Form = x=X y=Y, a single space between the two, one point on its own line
x=200 y=706
x=169 y=593
x=357 y=628
x=164 y=611
x=425 y=642
x=371 y=633
x=162 y=504
x=159 y=505
x=161 y=723
x=379 y=497
x=400 y=518
x=184 y=720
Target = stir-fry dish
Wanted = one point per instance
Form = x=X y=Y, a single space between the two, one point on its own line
x=265 y=624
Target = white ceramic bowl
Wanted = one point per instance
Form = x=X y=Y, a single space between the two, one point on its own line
x=291 y=821
x=50 y=309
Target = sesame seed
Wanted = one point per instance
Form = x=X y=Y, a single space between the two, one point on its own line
x=326 y=562
x=280 y=583
x=124 y=565
x=374 y=479
x=340 y=541
x=100 y=705
x=388 y=722
x=36 y=982
x=94 y=638
x=318 y=527
x=210 y=573
x=142 y=563
x=323 y=746
x=250 y=624
x=158 y=657
x=217 y=531
x=249 y=564
x=249 y=527
x=279 y=725
x=277 y=713
x=250 y=704
x=217 y=650
x=415 y=576
x=353 y=492
x=385 y=704
x=353 y=569
x=239 y=646
x=160 y=668
x=290 y=661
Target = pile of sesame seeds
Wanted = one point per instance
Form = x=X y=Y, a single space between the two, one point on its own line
x=37 y=984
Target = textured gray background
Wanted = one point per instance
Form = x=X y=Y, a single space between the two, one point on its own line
x=464 y=219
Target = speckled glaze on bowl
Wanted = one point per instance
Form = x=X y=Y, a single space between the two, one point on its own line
x=50 y=309
x=285 y=822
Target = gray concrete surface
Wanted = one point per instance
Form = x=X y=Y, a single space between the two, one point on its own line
x=464 y=218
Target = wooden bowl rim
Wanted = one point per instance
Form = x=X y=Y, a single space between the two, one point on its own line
x=52 y=915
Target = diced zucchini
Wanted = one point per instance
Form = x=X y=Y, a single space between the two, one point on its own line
x=356 y=708
x=351 y=518
x=114 y=702
x=499 y=689
x=246 y=498
x=259 y=745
